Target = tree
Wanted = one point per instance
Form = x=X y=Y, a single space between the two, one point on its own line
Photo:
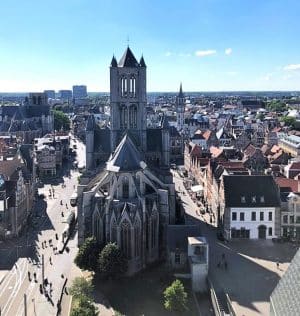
x=112 y=263
x=81 y=287
x=61 y=120
x=87 y=255
x=85 y=307
x=175 y=297
x=288 y=120
x=277 y=106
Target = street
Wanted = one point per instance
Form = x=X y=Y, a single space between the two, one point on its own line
x=251 y=273
x=25 y=275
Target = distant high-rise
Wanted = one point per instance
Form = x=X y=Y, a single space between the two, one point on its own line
x=79 y=92
x=50 y=94
x=65 y=94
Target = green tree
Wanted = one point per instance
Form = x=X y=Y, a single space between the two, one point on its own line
x=81 y=287
x=175 y=297
x=85 y=307
x=288 y=120
x=276 y=105
x=87 y=255
x=61 y=121
x=112 y=263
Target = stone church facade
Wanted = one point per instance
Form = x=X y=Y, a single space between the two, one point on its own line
x=128 y=100
x=132 y=200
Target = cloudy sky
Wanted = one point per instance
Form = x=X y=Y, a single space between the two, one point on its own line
x=209 y=45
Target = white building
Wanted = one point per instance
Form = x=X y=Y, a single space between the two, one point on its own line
x=250 y=207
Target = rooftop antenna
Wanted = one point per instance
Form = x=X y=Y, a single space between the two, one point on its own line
x=127 y=40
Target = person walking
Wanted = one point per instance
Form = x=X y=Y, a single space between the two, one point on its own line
x=277 y=264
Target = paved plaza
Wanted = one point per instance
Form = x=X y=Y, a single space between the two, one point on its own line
x=251 y=273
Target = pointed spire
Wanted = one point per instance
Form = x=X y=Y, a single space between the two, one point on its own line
x=114 y=62
x=128 y=59
x=180 y=95
x=142 y=62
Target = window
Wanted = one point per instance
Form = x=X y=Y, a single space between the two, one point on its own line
x=298 y=219
x=253 y=199
x=126 y=238
x=253 y=216
x=177 y=258
x=125 y=188
x=233 y=216
x=285 y=219
x=270 y=216
x=243 y=199
x=270 y=231
x=262 y=199
x=242 y=216
x=261 y=216
x=292 y=219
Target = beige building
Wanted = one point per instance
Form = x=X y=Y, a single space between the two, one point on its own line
x=290 y=144
x=290 y=217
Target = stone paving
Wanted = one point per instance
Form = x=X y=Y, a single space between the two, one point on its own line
x=252 y=273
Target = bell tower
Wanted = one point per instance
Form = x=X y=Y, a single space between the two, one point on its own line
x=128 y=99
x=180 y=109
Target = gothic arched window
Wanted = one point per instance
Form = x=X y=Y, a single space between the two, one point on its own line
x=154 y=229
x=137 y=238
x=97 y=226
x=133 y=116
x=113 y=231
x=126 y=238
x=125 y=188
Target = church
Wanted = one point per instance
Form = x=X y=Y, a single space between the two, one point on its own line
x=131 y=199
x=128 y=100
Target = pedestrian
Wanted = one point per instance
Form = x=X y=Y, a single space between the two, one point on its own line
x=277 y=264
x=66 y=205
x=225 y=265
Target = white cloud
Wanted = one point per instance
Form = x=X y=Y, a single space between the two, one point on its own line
x=203 y=53
x=228 y=51
x=292 y=67
x=168 y=54
x=184 y=55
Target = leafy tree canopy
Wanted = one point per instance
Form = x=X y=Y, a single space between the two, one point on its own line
x=175 y=297
x=288 y=121
x=61 y=121
x=277 y=106
x=87 y=255
x=85 y=308
x=81 y=287
x=112 y=263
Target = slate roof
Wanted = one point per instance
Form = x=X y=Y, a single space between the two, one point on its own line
x=142 y=62
x=128 y=59
x=249 y=186
x=126 y=157
x=102 y=140
x=285 y=297
x=154 y=139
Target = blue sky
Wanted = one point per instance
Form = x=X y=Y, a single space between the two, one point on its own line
x=209 y=45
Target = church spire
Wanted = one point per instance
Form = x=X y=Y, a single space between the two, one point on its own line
x=180 y=95
x=114 y=62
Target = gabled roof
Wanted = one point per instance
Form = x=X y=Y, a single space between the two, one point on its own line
x=126 y=157
x=262 y=188
x=128 y=59
x=114 y=62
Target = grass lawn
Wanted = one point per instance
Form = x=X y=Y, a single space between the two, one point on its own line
x=143 y=293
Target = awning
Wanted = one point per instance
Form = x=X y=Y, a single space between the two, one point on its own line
x=197 y=188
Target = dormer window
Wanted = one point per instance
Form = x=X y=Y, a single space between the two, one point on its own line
x=243 y=199
x=253 y=199
x=262 y=199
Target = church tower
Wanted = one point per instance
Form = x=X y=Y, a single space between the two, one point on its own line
x=180 y=104
x=128 y=99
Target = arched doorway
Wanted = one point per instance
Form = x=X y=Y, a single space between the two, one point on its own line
x=262 y=229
